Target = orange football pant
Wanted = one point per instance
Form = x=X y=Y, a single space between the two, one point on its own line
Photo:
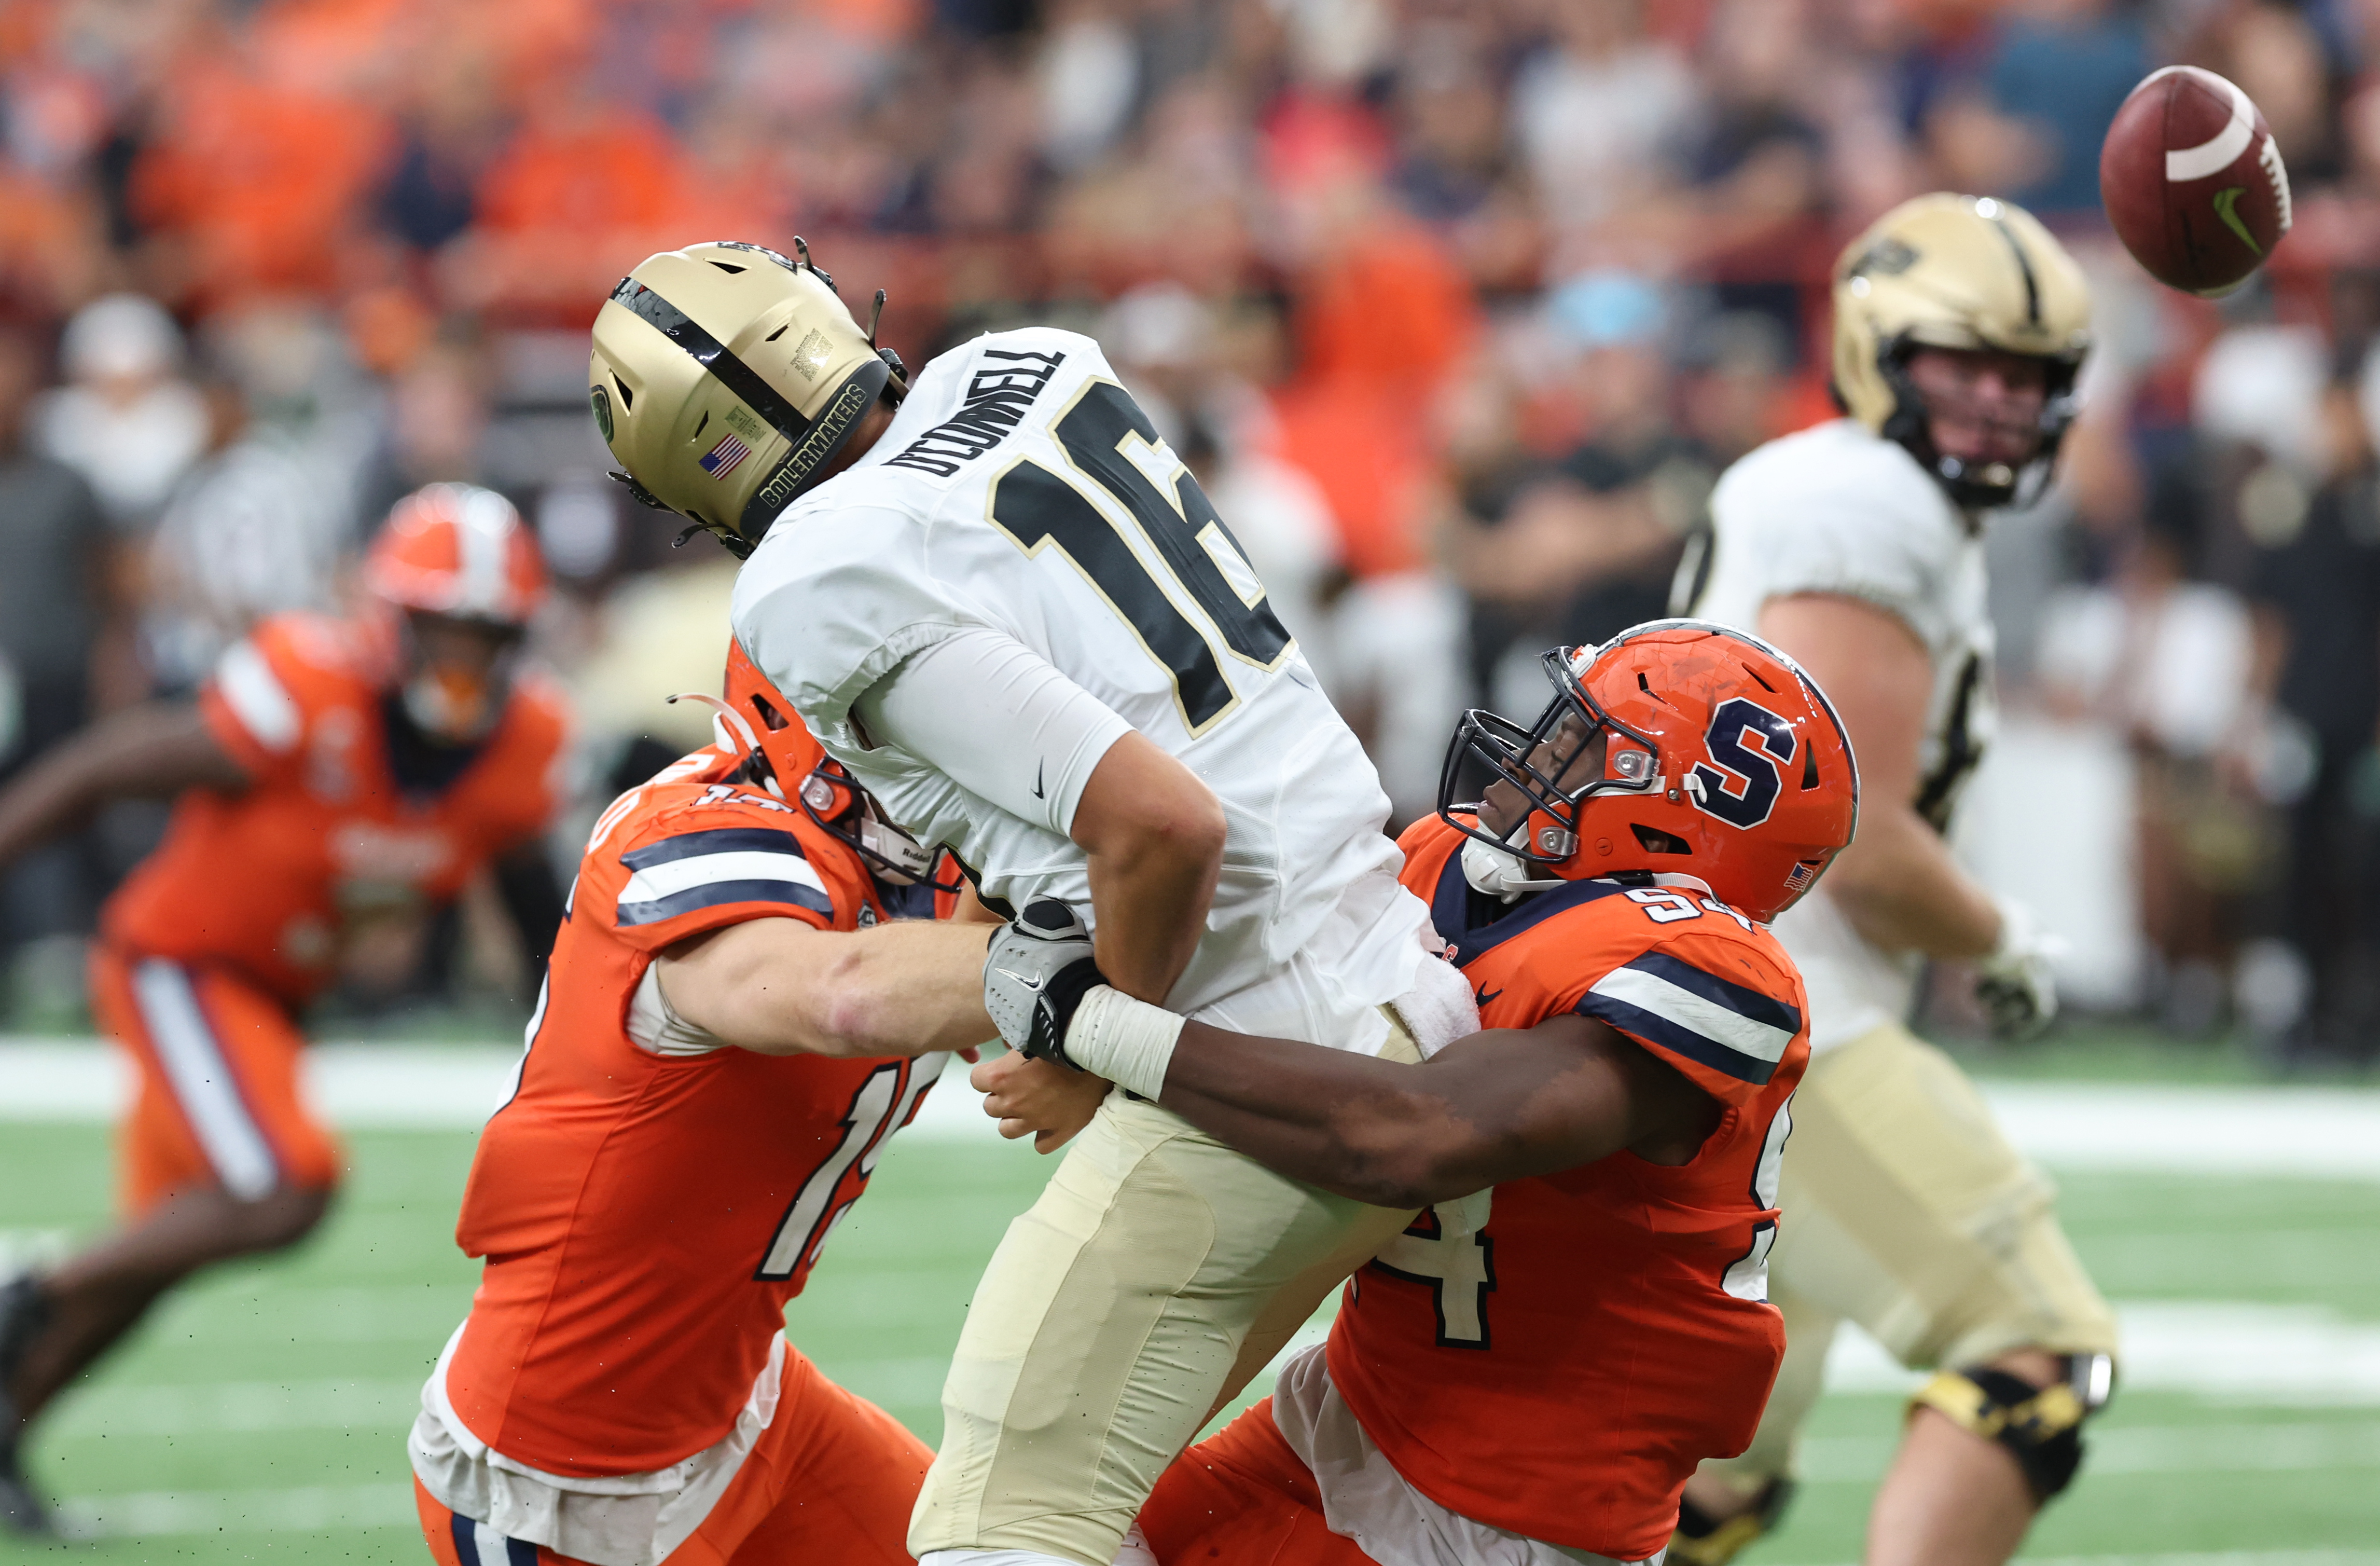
x=1242 y=1498
x=218 y=1064
x=832 y=1479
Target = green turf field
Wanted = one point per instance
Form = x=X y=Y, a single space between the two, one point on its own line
x=260 y=1414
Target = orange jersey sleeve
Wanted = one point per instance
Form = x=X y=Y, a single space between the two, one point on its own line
x=272 y=688
x=723 y=855
x=1714 y=999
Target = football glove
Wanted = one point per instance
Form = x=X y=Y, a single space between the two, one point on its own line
x=1037 y=972
x=2015 y=985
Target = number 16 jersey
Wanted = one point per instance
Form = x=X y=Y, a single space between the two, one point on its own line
x=1022 y=492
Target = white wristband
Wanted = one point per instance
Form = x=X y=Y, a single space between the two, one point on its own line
x=1129 y=1042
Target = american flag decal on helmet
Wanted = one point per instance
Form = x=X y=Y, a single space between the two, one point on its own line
x=722 y=458
x=1802 y=873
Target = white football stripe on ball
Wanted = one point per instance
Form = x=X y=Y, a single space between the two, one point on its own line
x=2214 y=155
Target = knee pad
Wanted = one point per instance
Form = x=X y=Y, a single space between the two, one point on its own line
x=1702 y=1540
x=2041 y=1426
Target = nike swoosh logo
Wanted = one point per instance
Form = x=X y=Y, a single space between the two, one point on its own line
x=1487 y=997
x=1021 y=981
x=1036 y=780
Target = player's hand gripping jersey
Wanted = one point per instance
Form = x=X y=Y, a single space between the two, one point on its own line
x=334 y=827
x=1022 y=515
x=649 y=1199
x=1559 y=1372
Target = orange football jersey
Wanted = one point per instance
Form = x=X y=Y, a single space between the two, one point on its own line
x=647 y=1205
x=264 y=880
x=1559 y=1372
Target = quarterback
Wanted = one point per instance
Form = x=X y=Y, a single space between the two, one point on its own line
x=724 y=1045
x=1959 y=327
x=333 y=773
x=1001 y=600
x=1528 y=1375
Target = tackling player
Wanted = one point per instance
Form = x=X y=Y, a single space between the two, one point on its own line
x=717 y=1062
x=1529 y=1380
x=1857 y=547
x=1011 y=611
x=332 y=773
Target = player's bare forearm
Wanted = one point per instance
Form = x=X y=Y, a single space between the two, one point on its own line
x=1153 y=837
x=1499 y=1105
x=781 y=987
x=143 y=752
x=1902 y=889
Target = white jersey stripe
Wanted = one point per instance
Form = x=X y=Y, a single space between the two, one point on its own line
x=1674 y=1004
x=482 y=528
x=656 y=882
x=201 y=1080
x=256 y=697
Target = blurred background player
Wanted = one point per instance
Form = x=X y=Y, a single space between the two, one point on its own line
x=1857 y=548
x=724 y=1045
x=1530 y=1372
x=332 y=774
x=1013 y=613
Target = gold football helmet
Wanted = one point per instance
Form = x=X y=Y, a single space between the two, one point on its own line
x=725 y=377
x=1957 y=272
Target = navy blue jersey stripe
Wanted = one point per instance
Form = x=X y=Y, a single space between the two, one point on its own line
x=466 y=1539
x=1654 y=1028
x=1530 y=912
x=519 y=1552
x=1450 y=902
x=1718 y=991
x=712 y=894
x=717 y=840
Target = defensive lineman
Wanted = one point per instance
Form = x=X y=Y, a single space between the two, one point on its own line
x=1009 y=609
x=1856 y=547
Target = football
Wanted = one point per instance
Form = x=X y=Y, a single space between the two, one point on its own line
x=2192 y=181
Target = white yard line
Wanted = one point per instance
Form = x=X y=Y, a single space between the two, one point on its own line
x=2290 y=1355
x=2143 y=1449
x=299 y=1510
x=2331 y=1132
x=2215 y=1558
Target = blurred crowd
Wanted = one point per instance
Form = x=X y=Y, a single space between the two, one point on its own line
x=1458 y=306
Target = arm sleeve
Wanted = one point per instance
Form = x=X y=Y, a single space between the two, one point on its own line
x=998 y=719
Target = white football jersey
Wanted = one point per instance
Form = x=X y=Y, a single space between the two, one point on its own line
x=1020 y=488
x=1838 y=509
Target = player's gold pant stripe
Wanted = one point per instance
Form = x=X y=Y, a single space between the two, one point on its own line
x=1158 y=1271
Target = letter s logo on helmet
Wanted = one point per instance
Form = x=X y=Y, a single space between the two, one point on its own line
x=1720 y=763
x=1751 y=746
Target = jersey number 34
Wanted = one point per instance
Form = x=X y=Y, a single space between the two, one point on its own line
x=1101 y=433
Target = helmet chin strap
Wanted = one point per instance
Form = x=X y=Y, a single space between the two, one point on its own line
x=1499 y=872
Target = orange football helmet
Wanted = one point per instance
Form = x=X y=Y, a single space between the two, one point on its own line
x=460 y=551
x=763 y=726
x=459 y=555
x=1680 y=748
